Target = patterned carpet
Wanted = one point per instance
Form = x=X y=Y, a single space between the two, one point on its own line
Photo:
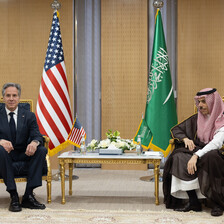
x=107 y=217
x=102 y=197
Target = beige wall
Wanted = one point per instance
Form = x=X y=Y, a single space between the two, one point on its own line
x=25 y=27
x=200 y=50
x=123 y=64
x=124 y=68
x=124 y=58
x=24 y=32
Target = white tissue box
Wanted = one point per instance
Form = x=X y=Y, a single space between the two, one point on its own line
x=110 y=152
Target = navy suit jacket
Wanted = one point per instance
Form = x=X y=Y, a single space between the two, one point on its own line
x=27 y=128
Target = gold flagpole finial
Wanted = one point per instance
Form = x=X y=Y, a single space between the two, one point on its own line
x=158 y=4
x=56 y=5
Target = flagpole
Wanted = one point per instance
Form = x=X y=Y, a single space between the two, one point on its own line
x=57 y=5
x=157 y=4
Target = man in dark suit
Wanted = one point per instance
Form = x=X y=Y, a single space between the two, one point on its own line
x=20 y=140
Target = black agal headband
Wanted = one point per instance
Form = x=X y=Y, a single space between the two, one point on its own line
x=206 y=92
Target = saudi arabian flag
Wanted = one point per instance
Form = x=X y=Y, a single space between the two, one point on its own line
x=160 y=112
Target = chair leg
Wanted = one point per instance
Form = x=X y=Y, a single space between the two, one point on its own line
x=48 y=191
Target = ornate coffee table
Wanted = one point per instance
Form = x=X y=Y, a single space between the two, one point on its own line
x=127 y=158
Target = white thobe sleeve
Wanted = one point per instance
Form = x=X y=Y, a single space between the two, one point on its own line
x=215 y=143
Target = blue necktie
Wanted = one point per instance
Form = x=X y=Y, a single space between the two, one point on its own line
x=12 y=127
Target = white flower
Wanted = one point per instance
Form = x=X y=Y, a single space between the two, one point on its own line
x=113 y=139
x=133 y=144
x=128 y=141
x=104 y=143
x=121 y=144
x=93 y=143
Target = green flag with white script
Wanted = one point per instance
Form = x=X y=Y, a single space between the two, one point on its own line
x=160 y=112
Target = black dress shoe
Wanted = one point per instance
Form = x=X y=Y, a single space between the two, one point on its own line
x=188 y=207
x=32 y=203
x=15 y=205
x=216 y=211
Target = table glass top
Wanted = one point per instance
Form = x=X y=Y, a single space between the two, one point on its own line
x=94 y=155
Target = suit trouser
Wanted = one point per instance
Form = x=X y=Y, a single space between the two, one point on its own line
x=34 y=164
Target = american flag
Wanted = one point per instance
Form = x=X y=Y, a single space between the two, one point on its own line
x=76 y=133
x=53 y=109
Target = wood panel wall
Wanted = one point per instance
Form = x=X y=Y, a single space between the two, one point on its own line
x=200 y=50
x=124 y=57
x=24 y=32
x=124 y=68
x=25 y=27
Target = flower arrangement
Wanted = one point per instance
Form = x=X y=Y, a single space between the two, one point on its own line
x=113 y=138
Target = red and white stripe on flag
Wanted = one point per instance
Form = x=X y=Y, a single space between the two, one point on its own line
x=53 y=109
x=76 y=133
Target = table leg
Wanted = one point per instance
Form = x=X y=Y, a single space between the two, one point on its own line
x=156 y=173
x=70 y=177
x=62 y=169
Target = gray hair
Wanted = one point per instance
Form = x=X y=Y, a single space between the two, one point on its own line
x=11 y=84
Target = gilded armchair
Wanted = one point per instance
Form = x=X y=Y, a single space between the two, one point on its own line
x=47 y=175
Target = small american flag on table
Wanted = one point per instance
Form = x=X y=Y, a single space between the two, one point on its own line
x=76 y=133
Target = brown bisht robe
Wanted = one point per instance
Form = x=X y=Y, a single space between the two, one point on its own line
x=176 y=164
x=211 y=176
x=210 y=167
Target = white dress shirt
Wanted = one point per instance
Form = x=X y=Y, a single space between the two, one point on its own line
x=215 y=143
